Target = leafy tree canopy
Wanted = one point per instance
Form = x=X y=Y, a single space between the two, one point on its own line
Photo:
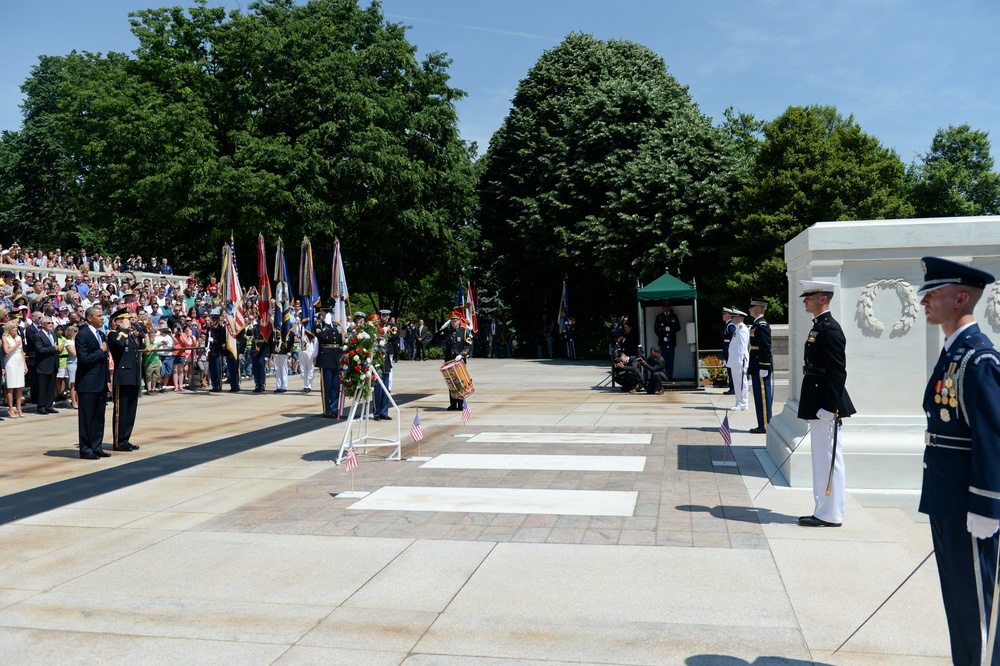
x=813 y=166
x=955 y=177
x=605 y=171
x=313 y=119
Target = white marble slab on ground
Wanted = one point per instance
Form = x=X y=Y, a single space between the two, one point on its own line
x=562 y=438
x=538 y=462
x=501 y=500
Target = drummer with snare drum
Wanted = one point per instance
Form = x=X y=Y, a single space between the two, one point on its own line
x=457 y=340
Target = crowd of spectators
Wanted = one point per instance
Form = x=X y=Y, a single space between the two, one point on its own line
x=95 y=262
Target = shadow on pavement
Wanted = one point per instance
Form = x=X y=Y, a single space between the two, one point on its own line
x=743 y=514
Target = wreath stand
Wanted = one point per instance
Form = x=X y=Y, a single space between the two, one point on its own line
x=365 y=440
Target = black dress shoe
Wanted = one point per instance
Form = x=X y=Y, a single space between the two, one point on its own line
x=234 y=390
x=52 y=411
x=729 y=393
x=102 y=454
x=386 y=418
x=813 y=521
x=126 y=448
x=258 y=390
x=758 y=431
x=376 y=417
x=89 y=456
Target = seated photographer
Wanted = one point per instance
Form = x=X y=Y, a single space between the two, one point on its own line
x=656 y=371
x=626 y=369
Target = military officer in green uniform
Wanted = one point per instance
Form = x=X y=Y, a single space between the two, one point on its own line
x=126 y=381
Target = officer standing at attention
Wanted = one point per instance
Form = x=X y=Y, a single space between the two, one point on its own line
x=329 y=344
x=961 y=484
x=759 y=367
x=260 y=351
x=823 y=402
x=666 y=326
x=126 y=380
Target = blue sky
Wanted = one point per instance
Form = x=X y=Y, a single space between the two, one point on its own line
x=903 y=68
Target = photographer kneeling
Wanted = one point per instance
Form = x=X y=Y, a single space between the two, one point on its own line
x=656 y=369
x=628 y=372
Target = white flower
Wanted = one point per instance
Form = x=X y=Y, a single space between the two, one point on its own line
x=356 y=359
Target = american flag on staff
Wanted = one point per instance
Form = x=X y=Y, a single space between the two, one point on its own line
x=415 y=432
x=727 y=435
x=352 y=456
x=466 y=410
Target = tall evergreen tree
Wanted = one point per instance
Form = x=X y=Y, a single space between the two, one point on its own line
x=956 y=176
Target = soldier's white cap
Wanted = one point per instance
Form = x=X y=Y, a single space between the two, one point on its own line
x=810 y=287
x=738 y=313
x=727 y=310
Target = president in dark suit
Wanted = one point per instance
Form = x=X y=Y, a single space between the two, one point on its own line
x=92 y=379
x=124 y=347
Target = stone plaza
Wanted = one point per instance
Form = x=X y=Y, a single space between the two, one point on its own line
x=565 y=523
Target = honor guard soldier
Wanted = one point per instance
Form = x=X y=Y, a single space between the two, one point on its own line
x=126 y=380
x=260 y=351
x=457 y=345
x=961 y=481
x=330 y=343
x=759 y=366
x=215 y=340
x=823 y=402
x=737 y=359
x=667 y=326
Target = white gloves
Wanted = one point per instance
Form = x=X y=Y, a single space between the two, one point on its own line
x=981 y=527
x=458 y=358
x=764 y=373
x=824 y=415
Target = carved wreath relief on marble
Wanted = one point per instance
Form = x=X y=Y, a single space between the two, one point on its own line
x=910 y=306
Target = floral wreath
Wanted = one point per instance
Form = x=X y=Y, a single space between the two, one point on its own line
x=907 y=298
x=364 y=350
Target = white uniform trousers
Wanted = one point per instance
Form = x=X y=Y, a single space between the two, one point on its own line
x=280 y=371
x=830 y=509
x=306 y=364
x=741 y=388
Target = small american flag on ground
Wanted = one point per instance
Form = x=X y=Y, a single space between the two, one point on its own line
x=415 y=432
x=466 y=410
x=352 y=456
x=727 y=435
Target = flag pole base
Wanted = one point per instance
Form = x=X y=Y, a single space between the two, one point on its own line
x=352 y=494
x=724 y=463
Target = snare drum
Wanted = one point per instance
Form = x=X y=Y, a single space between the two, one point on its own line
x=456 y=376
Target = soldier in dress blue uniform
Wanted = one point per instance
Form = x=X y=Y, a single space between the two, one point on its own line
x=823 y=402
x=330 y=351
x=260 y=351
x=666 y=326
x=126 y=380
x=759 y=367
x=961 y=484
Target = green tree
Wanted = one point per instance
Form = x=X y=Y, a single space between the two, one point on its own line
x=292 y=120
x=604 y=171
x=813 y=166
x=956 y=176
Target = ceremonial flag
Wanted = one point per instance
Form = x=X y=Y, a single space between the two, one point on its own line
x=338 y=290
x=460 y=296
x=352 y=456
x=471 y=314
x=727 y=435
x=309 y=290
x=232 y=296
x=264 y=288
x=466 y=410
x=415 y=431
x=282 y=296
x=564 y=305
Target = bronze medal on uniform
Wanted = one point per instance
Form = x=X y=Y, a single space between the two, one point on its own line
x=945 y=416
x=937 y=398
x=953 y=403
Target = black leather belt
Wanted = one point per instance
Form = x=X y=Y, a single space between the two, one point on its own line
x=811 y=370
x=948 y=442
x=329 y=346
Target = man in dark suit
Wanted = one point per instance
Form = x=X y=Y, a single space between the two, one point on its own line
x=92 y=379
x=127 y=381
x=666 y=326
x=46 y=365
x=823 y=402
x=424 y=337
x=656 y=371
x=32 y=328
